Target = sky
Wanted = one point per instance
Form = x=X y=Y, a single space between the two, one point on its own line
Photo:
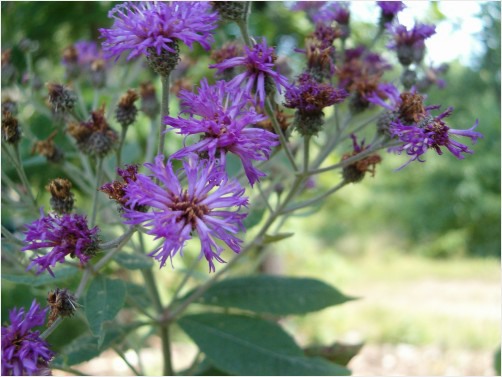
x=449 y=42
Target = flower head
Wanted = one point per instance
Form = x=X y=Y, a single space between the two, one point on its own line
x=177 y=212
x=309 y=96
x=389 y=10
x=259 y=75
x=141 y=26
x=68 y=234
x=222 y=115
x=409 y=44
x=23 y=351
x=431 y=133
x=333 y=11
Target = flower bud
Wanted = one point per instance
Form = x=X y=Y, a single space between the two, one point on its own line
x=408 y=78
x=164 y=63
x=230 y=10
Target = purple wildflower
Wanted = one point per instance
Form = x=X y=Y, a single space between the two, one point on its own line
x=223 y=117
x=311 y=97
x=433 y=133
x=333 y=11
x=24 y=353
x=409 y=44
x=87 y=52
x=66 y=235
x=390 y=9
x=259 y=75
x=178 y=212
x=138 y=27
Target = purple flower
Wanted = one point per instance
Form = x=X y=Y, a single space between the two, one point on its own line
x=221 y=113
x=140 y=26
x=333 y=11
x=24 y=353
x=66 y=235
x=259 y=73
x=311 y=97
x=429 y=133
x=178 y=212
x=87 y=52
x=409 y=44
x=391 y=8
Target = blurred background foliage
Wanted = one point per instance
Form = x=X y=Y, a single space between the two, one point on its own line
x=443 y=208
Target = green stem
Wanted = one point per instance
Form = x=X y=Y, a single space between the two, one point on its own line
x=187 y=276
x=150 y=142
x=81 y=102
x=306 y=146
x=15 y=158
x=121 y=144
x=124 y=358
x=9 y=237
x=164 y=328
x=164 y=112
x=314 y=200
x=99 y=173
x=353 y=159
x=278 y=131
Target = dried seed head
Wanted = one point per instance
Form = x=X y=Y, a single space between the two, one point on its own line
x=62 y=304
x=61 y=98
x=11 y=132
x=62 y=198
x=356 y=171
x=126 y=111
x=116 y=189
x=48 y=149
x=94 y=137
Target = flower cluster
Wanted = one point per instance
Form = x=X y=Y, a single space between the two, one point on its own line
x=24 y=353
x=177 y=212
x=66 y=235
x=223 y=117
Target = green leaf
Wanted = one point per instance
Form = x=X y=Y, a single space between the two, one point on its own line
x=273 y=295
x=254 y=217
x=276 y=237
x=244 y=345
x=104 y=299
x=85 y=347
x=138 y=294
x=133 y=261
x=61 y=274
x=496 y=361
